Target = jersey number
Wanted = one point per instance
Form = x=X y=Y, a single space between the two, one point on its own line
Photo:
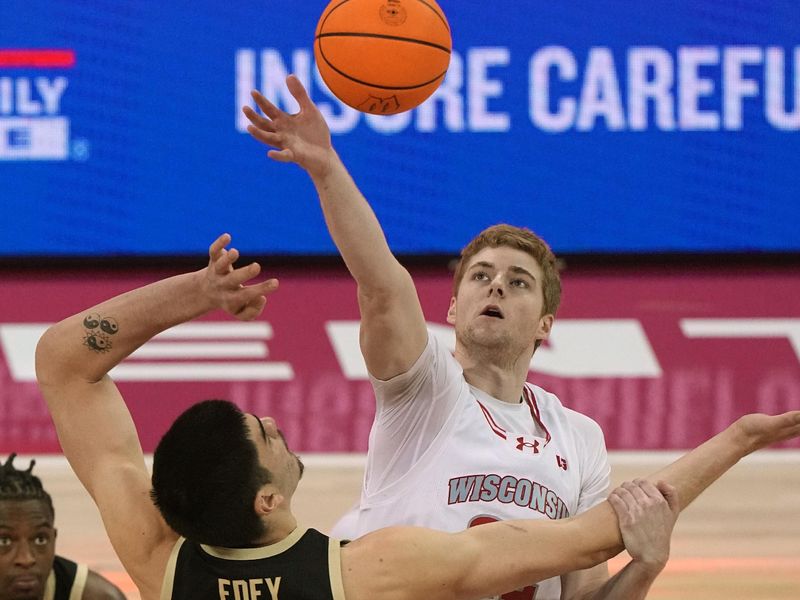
x=526 y=593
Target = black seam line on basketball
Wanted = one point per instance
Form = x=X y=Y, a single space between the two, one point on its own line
x=330 y=12
x=394 y=38
x=436 y=12
x=382 y=87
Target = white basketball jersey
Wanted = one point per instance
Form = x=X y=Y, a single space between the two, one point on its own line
x=448 y=456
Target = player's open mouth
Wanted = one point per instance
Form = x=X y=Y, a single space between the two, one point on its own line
x=492 y=311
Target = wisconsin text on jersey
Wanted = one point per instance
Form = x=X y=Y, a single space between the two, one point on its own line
x=495 y=488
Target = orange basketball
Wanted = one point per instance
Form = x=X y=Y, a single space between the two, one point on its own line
x=382 y=56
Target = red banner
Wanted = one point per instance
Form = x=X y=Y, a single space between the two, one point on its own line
x=661 y=358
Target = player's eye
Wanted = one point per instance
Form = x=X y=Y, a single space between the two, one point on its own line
x=5 y=540
x=519 y=283
x=42 y=539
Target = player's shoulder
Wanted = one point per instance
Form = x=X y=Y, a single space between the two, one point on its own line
x=550 y=404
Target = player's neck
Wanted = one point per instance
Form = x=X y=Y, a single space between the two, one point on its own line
x=279 y=526
x=503 y=382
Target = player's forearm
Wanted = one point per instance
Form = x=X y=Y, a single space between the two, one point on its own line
x=90 y=343
x=698 y=469
x=355 y=229
x=599 y=528
x=527 y=551
x=631 y=583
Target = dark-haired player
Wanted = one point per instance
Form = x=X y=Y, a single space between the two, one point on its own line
x=214 y=522
x=29 y=566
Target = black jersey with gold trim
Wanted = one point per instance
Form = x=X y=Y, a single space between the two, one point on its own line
x=305 y=565
x=66 y=580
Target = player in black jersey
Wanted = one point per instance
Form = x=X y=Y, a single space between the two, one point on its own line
x=215 y=520
x=29 y=567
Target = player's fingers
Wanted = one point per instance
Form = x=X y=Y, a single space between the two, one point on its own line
x=285 y=155
x=792 y=420
x=224 y=264
x=243 y=274
x=218 y=245
x=266 y=137
x=620 y=507
x=265 y=288
x=252 y=309
x=625 y=496
x=670 y=494
x=636 y=491
x=299 y=92
x=233 y=256
x=649 y=489
x=257 y=120
x=267 y=107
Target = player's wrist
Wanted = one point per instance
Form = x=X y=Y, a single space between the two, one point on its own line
x=650 y=566
x=323 y=167
x=743 y=438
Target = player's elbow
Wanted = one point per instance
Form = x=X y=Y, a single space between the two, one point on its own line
x=49 y=361
x=385 y=286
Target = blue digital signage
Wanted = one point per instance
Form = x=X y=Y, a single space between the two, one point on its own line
x=607 y=127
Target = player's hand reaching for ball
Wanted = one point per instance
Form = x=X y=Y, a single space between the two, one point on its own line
x=647 y=513
x=224 y=284
x=302 y=138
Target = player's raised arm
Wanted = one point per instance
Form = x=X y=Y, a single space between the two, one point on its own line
x=93 y=423
x=487 y=560
x=393 y=332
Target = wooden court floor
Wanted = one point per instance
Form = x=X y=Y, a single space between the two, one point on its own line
x=740 y=540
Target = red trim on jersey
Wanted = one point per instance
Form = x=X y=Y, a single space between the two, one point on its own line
x=531 y=400
x=499 y=431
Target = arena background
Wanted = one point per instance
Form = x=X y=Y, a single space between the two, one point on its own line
x=654 y=145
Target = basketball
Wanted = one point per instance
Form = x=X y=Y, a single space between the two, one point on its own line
x=382 y=56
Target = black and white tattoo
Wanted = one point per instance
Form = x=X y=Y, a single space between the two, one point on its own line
x=98 y=332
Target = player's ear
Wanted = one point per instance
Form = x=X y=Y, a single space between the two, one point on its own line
x=545 y=326
x=451 y=311
x=267 y=500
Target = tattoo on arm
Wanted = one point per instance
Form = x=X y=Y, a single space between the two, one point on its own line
x=98 y=332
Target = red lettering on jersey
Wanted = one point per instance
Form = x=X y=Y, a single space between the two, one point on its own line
x=528 y=593
x=562 y=462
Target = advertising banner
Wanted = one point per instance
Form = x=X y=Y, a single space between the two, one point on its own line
x=614 y=127
x=662 y=359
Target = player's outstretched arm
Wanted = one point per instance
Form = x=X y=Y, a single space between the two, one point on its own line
x=393 y=327
x=499 y=557
x=693 y=473
x=93 y=423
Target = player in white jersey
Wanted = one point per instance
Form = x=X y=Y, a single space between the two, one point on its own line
x=458 y=441
x=470 y=459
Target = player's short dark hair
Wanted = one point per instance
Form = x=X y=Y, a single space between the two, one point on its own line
x=206 y=474
x=18 y=485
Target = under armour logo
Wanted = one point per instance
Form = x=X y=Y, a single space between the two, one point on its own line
x=561 y=462
x=522 y=444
